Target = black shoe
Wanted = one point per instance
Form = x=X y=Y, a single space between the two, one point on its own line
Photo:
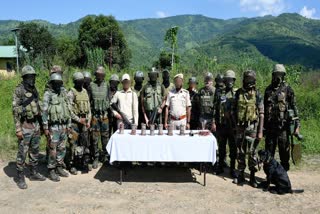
x=253 y=181
x=239 y=179
x=95 y=163
x=73 y=171
x=219 y=170
x=233 y=173
x=61 y=172
x=21 y=180
x=36 y=176
x=53 y=175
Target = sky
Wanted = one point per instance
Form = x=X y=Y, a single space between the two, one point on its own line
x=65 y=11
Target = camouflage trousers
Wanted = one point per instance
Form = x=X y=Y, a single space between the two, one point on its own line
x=279 y=138
x=247 y=146
x=57 y=146
x=226 y=135
x=29 y=145
x=78 y=152
x=100 y=129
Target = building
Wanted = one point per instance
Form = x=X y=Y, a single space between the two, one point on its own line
x=8 y=55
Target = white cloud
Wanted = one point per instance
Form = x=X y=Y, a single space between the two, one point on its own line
x=263 y=7
x=161 y=14
x=308 y=13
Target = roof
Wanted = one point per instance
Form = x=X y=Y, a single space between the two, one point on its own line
x=8 y=51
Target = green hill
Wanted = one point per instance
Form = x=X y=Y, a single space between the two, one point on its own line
x=288 y=38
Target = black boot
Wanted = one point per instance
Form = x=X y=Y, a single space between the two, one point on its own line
x=21 y=180
x=219 y=169
x=239 y=179
x=60 y=171
x=36 y=176
x=232 y=169
x=253 y=181
x=73 y=170
x=53 y=175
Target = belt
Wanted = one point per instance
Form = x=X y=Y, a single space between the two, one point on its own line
x=178 y=118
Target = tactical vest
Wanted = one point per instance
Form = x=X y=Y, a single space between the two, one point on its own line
x=32 y=109
x=226 y=103
x=152 y=97
x=100 y=97
x=206 y=102
x=277 y=104
x=247 y=107
x=81 y=102
x=58 y=110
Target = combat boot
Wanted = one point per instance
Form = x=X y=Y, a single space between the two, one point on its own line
x=53 y=175
x=61 y=172
x=239 y=179
x=36 y=176
x=95 y=163
x=232 y=169
x=253 y=181
x=73 y=171
x=21 y=180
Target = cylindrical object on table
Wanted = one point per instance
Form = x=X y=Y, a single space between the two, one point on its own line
x=182 y=129
x=133 y=129
x=160 y=129
x=152 y=129
x=121 y=128
x=143 y=129
x=170 y=129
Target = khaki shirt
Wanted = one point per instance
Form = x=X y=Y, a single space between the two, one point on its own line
x=178 y=101
x=127 y=102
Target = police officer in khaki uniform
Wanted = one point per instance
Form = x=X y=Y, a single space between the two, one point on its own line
x=178 y=104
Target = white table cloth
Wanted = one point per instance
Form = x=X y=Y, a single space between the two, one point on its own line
x=176 y=148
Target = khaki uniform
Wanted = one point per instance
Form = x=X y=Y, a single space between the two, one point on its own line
x=177 y=102
x=127 y=102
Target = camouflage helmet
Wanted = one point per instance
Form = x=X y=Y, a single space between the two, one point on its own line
x=114 y=77
x=139 y=74
x=193 y=80
x=100 y=70
x=250 y=74
x=279 y=68
x=56 y=69
x=55 y=76
x=219 y=78
x=77 y=76
x=86 y=74
x=208 y=76
x=230 y=74
x=27 y=70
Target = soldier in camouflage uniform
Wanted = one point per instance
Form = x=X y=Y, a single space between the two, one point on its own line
x=152 y=97
x=166 y=81
x=56 y=123
x=195 y=107
x=27 y=119
x=224 y=121
x=278 y=99
x=205 y=98
x=100 y=104
x=249 y=113
x=87 y=80
x=79 y=144
x=138 y=82
x=113 y=88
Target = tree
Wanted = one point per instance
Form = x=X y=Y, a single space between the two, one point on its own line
x=104 y=32
x=68 y=49
x=172 y=38
x=37 y=41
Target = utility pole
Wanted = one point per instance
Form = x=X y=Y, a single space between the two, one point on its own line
x=110 y=54
x=15 y=31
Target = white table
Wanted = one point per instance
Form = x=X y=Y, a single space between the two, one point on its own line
x=137 y=148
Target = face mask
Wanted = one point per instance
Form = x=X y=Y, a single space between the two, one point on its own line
x=78 y=84
x=277 y=79
x=56 y=86
x=86 y=83
x=229 y=82
x=29 y=81
x=153 y=77
x=100 y=77
x=114 y=85
x=209 y=84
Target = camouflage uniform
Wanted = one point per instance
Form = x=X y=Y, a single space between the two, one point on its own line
x=195 y=107
x=79 y=143
x=113 y=127
x=57 y=114
x=277 y=101
x=249 y=112
x=27 y=114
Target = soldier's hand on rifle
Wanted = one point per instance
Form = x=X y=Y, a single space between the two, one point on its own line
x=19 y=135
x=88 y=125
x=118 y=116
x=213 y=127
x=83 y=121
